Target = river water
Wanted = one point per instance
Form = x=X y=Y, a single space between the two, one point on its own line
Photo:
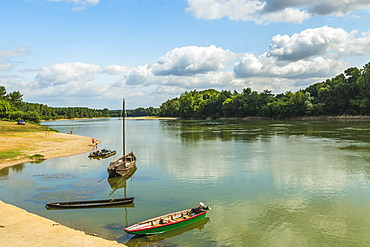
x=269 y=183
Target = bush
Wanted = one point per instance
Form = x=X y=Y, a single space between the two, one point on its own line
x=16 y=115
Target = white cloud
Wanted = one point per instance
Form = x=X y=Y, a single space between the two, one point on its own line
x=264 y=11
x=6 y=63
x=291 y=63
x=138 y=75
x=313 y=53
x=264 y=66
x=327 y=41
x=20 y=51
x=191 y=60
x=116 y=69
x=79 y=4
x=67 y=72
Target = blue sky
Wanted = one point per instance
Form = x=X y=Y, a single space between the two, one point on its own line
x=93 y=53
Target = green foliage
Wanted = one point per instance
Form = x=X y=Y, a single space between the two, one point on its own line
x=5 y=108
x=151 y=111
x=35 y=156
x=16 y=115
x=347 y=93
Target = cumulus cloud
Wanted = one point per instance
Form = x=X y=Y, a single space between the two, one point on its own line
x=264 y=11
x=67 y=72
x=79 y=4
x=311 y=42
x=116 y=69
x=191 y=60
x=138 y=75
x=264 y=66
x=311 y=53
x=290 y=63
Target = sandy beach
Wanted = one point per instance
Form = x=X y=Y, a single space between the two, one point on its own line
x=50 y=145
x=21 y=228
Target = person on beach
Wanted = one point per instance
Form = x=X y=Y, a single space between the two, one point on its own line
x=93 y=141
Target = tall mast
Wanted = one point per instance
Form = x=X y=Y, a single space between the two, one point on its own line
x=123 y=123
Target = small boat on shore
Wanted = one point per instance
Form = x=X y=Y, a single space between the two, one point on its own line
x=102 y=153
x=169 y=222
x=93 y=203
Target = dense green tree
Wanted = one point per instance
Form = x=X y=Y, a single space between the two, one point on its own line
x=5 y=108
x=15 y=98
x=2 y=93
x=170 y=108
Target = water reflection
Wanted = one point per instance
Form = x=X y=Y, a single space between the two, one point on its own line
x=270 y=183
x=121 y=181
x=5 y=171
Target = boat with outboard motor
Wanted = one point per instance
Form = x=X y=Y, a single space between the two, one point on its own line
x=102 y=153
x=168 y=222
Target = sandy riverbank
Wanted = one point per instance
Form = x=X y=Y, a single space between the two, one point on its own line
x=50 y=145
x=21 y=228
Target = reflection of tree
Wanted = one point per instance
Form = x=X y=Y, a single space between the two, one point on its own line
x=251 y=130
x=17 y=168
x=4 y=172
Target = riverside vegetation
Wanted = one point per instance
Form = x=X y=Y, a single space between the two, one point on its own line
x=346 y=94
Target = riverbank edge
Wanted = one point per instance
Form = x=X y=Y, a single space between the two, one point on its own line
x=73 y=149
x=21 y=228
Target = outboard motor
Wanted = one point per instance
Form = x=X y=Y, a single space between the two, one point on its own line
x=201 y=206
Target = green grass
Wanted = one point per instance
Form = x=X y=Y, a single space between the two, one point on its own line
x=7 y=154
x=36 y=156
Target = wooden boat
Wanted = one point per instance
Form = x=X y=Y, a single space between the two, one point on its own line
x=169 y=222
x=150 y=240
x=93 y=203
x=102 y=153
x=124 y=164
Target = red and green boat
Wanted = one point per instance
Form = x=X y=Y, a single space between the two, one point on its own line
x=169 y=222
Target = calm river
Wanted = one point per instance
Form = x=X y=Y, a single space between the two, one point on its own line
x=269 y=183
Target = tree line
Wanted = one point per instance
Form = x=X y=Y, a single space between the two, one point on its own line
x=347 y=93
x=12 y=107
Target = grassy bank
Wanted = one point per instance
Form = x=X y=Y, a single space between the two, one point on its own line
x=19 y=138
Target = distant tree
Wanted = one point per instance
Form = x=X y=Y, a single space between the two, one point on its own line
x=15 y=98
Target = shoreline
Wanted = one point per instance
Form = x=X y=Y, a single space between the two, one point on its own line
x=50 y=145
x=21 y=228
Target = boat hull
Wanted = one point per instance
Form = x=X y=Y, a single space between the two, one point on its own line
x=122 y=166
x=93 y=203
x=165 y=227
